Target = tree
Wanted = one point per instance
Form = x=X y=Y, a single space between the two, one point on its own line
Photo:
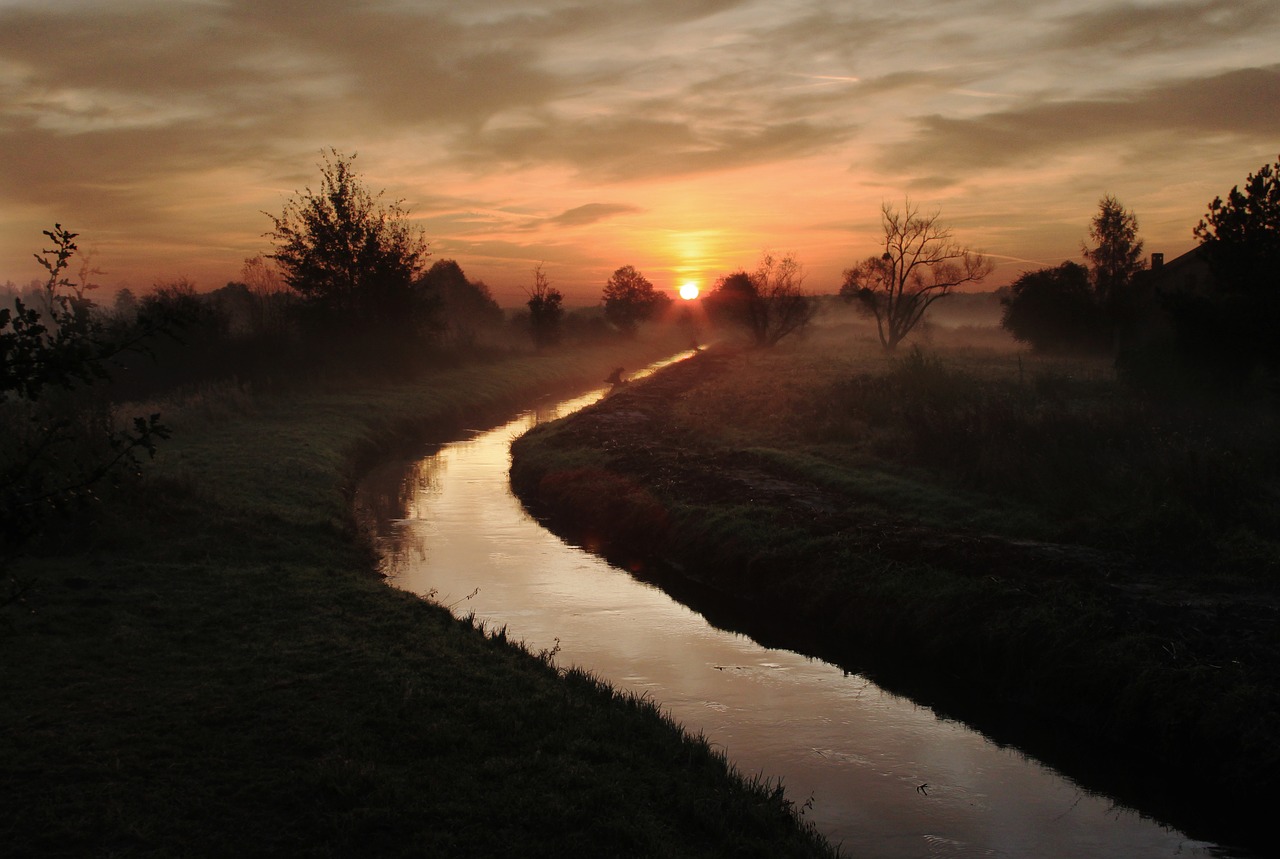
x=629 y=299
x=272 y=298
x=920 y=264
x=1235 y=326
x=57 y=439
x=1240 y=237
x=768 y=303
x=545 y=310
x=351 y=256
x=1114 y=262
x=125 y=306
x=1054 y=310
x=466 y=307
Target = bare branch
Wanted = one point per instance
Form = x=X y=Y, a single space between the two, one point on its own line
x=920 y=264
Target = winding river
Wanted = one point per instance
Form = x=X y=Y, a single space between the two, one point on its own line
x=876 y=773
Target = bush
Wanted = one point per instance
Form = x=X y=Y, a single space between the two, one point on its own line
x=1055 y=310
x=58 y=435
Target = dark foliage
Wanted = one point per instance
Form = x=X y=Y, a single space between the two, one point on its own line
x=195 y=338
x=768 y=304
x=1240 y=236
x=58 y=345
x=1072 y=308
x=354 y=259
x=1226 y=323
x=58 y=436
x=1054 y=310
x=629 y=299
x=466 y=308
x=1114 y=262
x=1240 y=240
x=546 y=311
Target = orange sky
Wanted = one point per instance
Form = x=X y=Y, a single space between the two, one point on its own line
x=680 y=136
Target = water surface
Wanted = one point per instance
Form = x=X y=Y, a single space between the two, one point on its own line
x=876 y=772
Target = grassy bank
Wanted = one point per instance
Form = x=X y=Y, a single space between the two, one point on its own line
x=211 y=668
x=1019 y=542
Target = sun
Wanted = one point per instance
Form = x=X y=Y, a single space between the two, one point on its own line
x=689 y=291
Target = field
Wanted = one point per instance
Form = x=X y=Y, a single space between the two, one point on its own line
x=1080 y=568
x=210 y=666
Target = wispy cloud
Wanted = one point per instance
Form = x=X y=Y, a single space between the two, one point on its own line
x=166 y=127
x=591 y=213
x=1237 y=104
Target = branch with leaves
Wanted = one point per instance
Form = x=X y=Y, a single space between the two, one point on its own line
x=58 y=439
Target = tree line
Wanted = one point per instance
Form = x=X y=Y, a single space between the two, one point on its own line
x=347 y=289
x=1212 y=316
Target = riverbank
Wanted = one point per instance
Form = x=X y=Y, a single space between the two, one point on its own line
x=212 y=668
x=1153 y=680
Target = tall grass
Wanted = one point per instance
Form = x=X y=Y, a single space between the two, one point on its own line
x=1097 y=462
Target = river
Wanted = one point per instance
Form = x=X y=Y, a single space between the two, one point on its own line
x=876 y=773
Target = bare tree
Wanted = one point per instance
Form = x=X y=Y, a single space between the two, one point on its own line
x=921 y=263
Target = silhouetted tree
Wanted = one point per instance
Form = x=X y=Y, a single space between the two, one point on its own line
x=58 y=440
x=920 y=264
x=734 y=300
x=351 y=256
x=1240 y=237
x=181 y=307
x=545 y=310
x=769 y=303
x=1114 y=261
x=1235 y=325
x=465 y=307
x=273 y=300
x=629 y=299
x=1054 y=310
x=125 y=306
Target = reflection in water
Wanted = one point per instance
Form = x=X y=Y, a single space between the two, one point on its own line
x=388 y=491
x=886 y=777
x=384 y=496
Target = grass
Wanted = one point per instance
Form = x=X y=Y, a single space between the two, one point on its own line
x=1020 y=541
x=1055 y=450
x=212 y=668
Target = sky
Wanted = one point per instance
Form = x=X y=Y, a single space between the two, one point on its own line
x=684 y=137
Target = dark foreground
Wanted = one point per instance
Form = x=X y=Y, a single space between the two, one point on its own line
x=1138 y=683
x=212 y=669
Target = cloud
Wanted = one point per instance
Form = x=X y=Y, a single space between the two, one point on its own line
x=1238 y=104
x=578 y=216
x=263 y=64
x=590 y=213
x=1162 y=27
x=160 y=124
x=629 y=148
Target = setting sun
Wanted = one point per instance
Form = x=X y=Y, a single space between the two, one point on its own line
x=689 y=291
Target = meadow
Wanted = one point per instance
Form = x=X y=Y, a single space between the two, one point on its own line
x=210 y=665
x=1026 y=542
